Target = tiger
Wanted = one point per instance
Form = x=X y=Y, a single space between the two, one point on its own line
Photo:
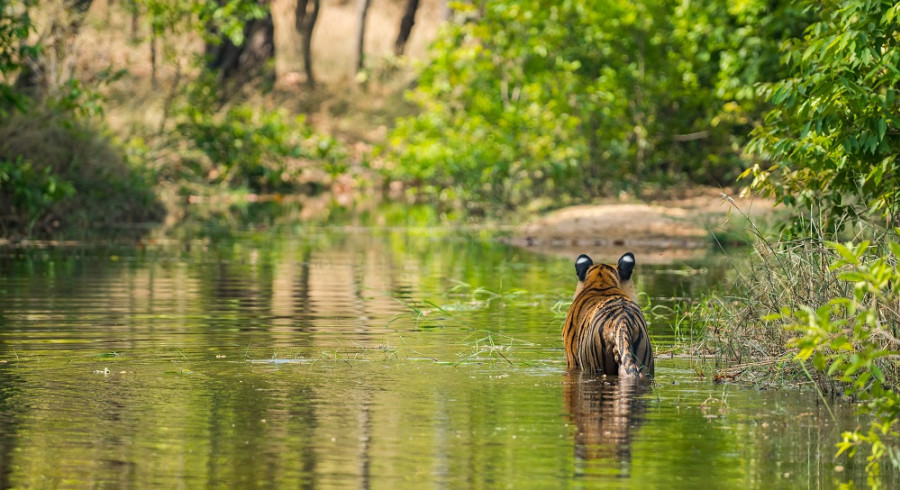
x=605 y=331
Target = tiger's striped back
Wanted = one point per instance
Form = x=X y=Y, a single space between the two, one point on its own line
x=605 y=331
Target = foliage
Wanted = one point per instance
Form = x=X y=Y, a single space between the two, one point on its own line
x=833 y=138
x=30 y=191
x=60 y=172
x=575 y=99
x=854 y=339
x=15 y=25
x=252 y=147
x=809 y=299
x=214 y=20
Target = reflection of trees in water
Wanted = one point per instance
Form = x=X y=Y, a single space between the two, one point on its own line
x=605 y=412
x=10 y=421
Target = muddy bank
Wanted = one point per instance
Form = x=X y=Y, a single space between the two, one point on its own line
x=659 y=230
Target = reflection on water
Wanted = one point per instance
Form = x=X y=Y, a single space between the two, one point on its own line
x=606 y=412
x=360 y=358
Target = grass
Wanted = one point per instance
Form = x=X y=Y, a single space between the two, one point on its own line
x=741 y=338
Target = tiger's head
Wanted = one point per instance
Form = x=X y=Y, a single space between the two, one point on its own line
x=602 y=277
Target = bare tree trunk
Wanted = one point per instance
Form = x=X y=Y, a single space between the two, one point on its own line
x=406 y=25
x=135 y=9
x=306 y=22
x=363 y=11
x=153 y=57
x=288 y=43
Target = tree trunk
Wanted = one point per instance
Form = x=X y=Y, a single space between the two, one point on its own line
x=153 y=81
x=239 y=62
x=363 y=11
x=406 y=25
x=306 y=22
x=134 y=8
x=288 y=43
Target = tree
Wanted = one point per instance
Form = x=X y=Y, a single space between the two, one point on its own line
x=362 y=12
x=43 y=71
x=288 y=42
x=406 y=25
x=832 y=140
x=571 y=100
x=231 y=54
x=307 y=13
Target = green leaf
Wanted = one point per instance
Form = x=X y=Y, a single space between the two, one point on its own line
x=844 y=252
x=835 y=367
x=854 y=276
x=819 y=361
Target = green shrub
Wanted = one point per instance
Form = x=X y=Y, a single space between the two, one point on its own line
x=249 y=147
x=27 y=193
x=15 y=26
x=571 y=100
x=59 y=173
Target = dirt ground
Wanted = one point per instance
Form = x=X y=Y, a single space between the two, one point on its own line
x=657 y=231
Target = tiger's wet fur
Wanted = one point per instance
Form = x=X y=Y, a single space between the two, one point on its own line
x=605 y=331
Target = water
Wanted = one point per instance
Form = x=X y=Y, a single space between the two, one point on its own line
x=357 y=358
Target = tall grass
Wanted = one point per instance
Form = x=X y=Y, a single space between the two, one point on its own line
x=784 y=273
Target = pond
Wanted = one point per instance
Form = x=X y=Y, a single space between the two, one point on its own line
x=363 y=357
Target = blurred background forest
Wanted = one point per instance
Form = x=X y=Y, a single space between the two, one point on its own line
x=117 y=113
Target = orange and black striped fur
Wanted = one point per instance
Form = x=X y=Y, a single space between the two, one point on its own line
x=605 y=331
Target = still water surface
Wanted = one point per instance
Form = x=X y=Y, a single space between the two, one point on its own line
x=358 y=358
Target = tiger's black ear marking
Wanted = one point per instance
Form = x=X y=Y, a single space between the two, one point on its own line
x=626 y=266
x=582 y=264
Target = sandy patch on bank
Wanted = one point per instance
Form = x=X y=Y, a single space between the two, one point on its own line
x=660 y=231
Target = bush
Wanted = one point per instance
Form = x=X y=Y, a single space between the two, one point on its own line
x=832 y=141
x=28 y=194
x=571 y=100
x=854 y=339
x=249 y=147
x=59 y=173
x=15 y=26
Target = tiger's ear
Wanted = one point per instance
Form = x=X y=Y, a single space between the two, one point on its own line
x=582 y=264
x=626 y=266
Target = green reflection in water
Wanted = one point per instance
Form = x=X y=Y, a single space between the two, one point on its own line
x=360 y=358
